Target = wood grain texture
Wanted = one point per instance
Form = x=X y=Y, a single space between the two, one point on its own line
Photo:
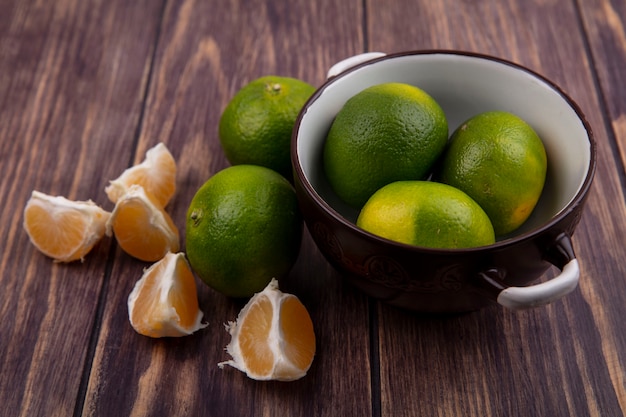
x=68 y=94
x=606 y=24
x=87 y=86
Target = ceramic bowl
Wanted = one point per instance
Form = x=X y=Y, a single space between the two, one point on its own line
x=441 y=280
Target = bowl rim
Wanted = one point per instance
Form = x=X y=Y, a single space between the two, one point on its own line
x=577 y=200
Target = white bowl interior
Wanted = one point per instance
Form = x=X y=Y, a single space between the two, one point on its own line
x=464 y=86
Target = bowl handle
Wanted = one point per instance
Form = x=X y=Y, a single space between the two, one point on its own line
x=353 y=61
x=516 y=298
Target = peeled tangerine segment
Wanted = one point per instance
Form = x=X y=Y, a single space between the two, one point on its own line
x=156 y=174
x=164 y=302
x=142 y=228
x=63 y=229
x=273 y=337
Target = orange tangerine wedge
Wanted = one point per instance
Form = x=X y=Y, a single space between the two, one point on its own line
x=156 y=174
x=142 y=228
x=63 y=229
x=273 y=337
x=164 y=302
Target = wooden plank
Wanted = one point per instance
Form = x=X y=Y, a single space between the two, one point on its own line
x=560 y=360
x=72 y=76
x=209 y=50
x=605 y=23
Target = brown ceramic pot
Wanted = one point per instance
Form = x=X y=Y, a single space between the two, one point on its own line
x=435 y=280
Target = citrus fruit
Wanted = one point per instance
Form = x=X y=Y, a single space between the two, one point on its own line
x=164 y=301
x=273 y=337
x=142 y=228
x=63 y=229
x=499 y=161
x=156 y=174
x=387 y=132
x=425 y=213
x=243 y=229
x=255 y=127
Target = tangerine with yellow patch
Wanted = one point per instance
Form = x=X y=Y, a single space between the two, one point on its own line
x=426 y=214
x=500 y=161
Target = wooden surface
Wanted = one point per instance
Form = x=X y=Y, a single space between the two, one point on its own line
x=87 y=86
